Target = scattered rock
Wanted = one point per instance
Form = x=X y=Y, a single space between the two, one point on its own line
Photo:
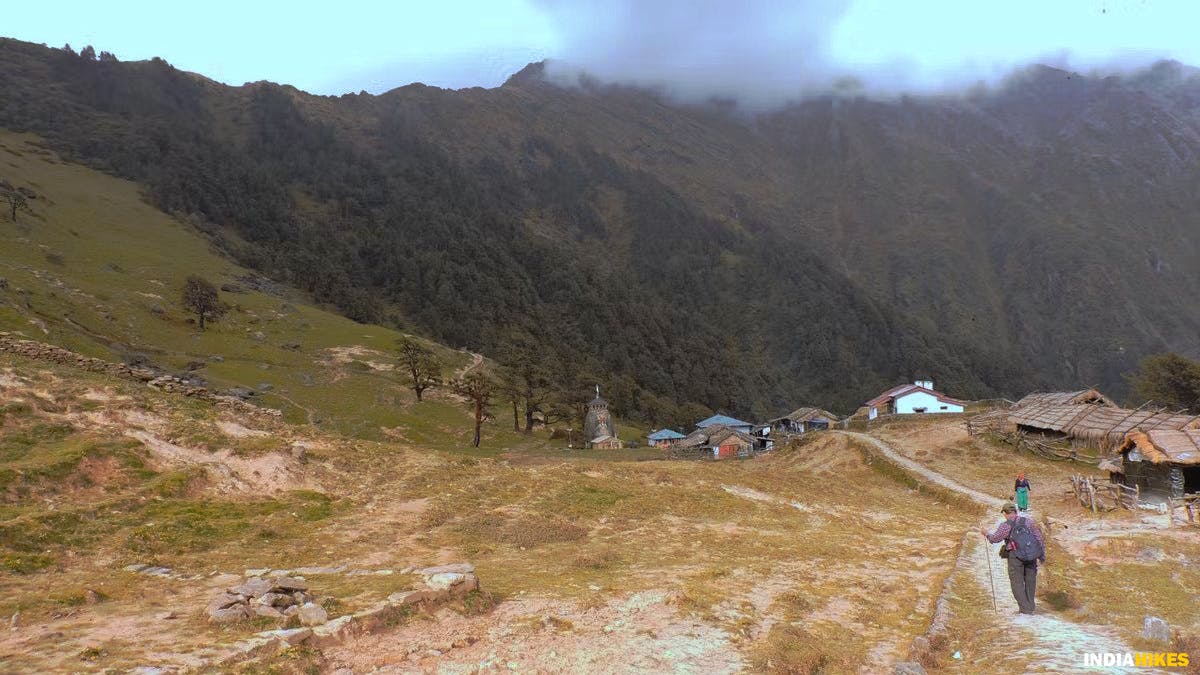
x=217 y=358
x=15 y=622
x=268 y=611
x=232 y=288
x=255 y=587
x=291 y=346
x=157 y=309
x=91 y=597
x=259 y=336
x=299 y=453
x=456 y=568
x=343 y=671
x=445 y=580
x=166 y=616
x=1154 y=628
x=332 y=632
x=234 y=613
x=289 y=584
x=265 y=386
x=908 y=668
x=313 y=614
x=195 y=365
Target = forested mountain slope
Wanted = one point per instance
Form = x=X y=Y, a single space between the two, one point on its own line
x=1041 y=234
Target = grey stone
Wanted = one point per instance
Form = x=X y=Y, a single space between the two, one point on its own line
x=291 y=346
x=445 y=580
x=908 y=668
x=1154 y=628
x=265 y=386
x=343 y=671
x=257 y=572
x=258 y=336
x=268 y=611
x=313 y=615
x=304 y=571
x=289 y=584
x=166 y=616
x=292 y=636
x=332 y=632
x=254 y=587
x=292 y=610
x=223 y=601
x=456 y=568
x=137 y=567
x=91 y=597
x=275 y=600
x=234 y=613
x=15 y=622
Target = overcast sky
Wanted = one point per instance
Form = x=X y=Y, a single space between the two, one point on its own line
x=744 y=48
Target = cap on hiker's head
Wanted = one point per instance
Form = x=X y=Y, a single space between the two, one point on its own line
x=1008 y=508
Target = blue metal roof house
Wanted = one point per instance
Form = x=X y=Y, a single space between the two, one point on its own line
x=665 y=437
x=725 y=421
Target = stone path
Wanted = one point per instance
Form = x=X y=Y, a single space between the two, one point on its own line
x=1047 y=643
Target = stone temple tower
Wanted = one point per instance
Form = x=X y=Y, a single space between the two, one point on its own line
x=598 y=427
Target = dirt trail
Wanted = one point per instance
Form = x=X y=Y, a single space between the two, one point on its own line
x=925 y=472
x=476 y=361
x=1045 y=643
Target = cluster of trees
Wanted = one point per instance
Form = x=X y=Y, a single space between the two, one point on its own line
x=1168 y=380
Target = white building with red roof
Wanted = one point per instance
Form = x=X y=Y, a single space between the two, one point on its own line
x=913 y=399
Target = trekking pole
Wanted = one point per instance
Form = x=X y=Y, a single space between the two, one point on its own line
x=991 y=575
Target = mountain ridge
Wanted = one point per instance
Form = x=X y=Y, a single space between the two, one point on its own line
x=680 y=254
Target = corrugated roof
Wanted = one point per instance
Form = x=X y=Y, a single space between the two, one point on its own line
x=723 y=420
x=666 y=435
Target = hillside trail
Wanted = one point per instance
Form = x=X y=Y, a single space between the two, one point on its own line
x=476 y=361
x=1041 y=642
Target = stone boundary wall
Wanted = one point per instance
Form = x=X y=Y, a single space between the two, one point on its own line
x=41 y=351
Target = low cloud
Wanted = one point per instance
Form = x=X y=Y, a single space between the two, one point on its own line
x=763 y=53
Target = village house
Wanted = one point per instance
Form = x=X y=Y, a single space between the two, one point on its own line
x=913 y=399
x=1089 y=419
x=725 y=421
x=721 y=441
x=664 y=438
x=803 y=420
x=1159 y=461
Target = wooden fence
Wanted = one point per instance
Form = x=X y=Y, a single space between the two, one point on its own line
x=1099 y=495
x=1189 y=504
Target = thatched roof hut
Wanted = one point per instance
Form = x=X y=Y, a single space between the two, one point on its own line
x=1159 y=460
x=1099 y=425
x=1084 y=396
x=804 y=419
x=1165 y=446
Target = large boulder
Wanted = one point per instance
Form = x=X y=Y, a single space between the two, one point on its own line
x=1156 y=629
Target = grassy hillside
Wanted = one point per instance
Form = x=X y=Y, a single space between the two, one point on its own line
x=752 y=562
x=96 y=269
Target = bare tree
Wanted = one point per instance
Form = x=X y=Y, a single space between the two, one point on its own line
x=16 y=201
x=200 y=298
x=420 y=364
x=477 y=388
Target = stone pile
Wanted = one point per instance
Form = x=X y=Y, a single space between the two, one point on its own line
x=439 y=585
x=276 y=598
x=152 y=377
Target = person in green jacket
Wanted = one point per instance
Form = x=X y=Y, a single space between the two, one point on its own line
x=1021 y=492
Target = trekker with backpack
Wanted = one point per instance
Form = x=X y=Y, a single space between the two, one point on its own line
x=1024 y=548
